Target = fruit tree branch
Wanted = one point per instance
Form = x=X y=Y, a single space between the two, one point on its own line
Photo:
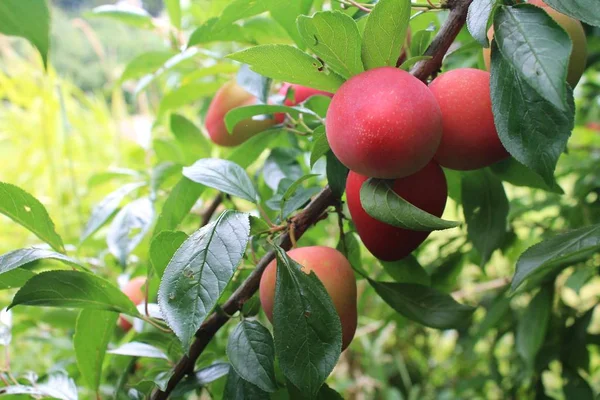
x=311 y=214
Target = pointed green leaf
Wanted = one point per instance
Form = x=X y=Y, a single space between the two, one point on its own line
x=533 y=324
x=162 y=248
x=478 y=20
x=129 y=228
x=130 y=15
x=382 y=203
x=238 y=114
x=26 y=210
x=223 y=175
x=72 y=289
x=200 y=270
x=237 y=388
x=18 y=258
x=15 y=278
x=320 y=145
x=583 y=10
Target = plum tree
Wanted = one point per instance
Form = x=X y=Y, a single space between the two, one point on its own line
x=575 y=30
x=228 y=97
x=300 y=94
x=134 y=290
x=384 y=123
x=469 y=138
x=334 y=271
x=425 y=189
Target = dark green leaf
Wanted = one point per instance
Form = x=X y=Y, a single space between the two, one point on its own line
x=320 y=145
x=575 y=387
x=180 y=201
x=515 y=173
x=130 y=15
x=574 y=351
x=556 y=253
x=27 y=19
x=337 y=173
x=579 y=9
x=281 y=164
x=201 y=378
x=486 y=211
x=238 y=114
x=383 y=204
x=478 y=20
x=199 y=271
x=145 y=63
x=300 y=197
x=385 y=33
x=349 y=246
x=106 y=209
x=93 y=332
x=494 y=315
x=258 y=226
x=533 y=131
x=306 y=326
x=162 y=248
x=26 y=210
x=537 y=47
x=223 y=175
x=407 y=270
x=532 y=326
x=255 y=84
x=129 y=227
x=72 y=289
x=334 y=38
x=251 y=351
x=419 y=43
x=239 y=389
x=424 y=305
x=193 y=142
x=298 y=67
x=17 y=258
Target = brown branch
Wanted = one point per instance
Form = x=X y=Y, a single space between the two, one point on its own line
x=307 y=217
x=210 y=210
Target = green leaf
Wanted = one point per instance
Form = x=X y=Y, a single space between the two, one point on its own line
x=537 y=47
x=258 y=226
x=240 y=9
x=174 y=10
x=582 y=10
x=349 y=246
x=18 y=258
x=180 y=201
x=306 y=326
x=137 y=349
x=26 y=210
x=281 y=164
x=239 y=114
x=169 y=65
x=93 y=332
x=130 y=15
x=494 y=315
x=187 y=94
x=215 y=31
x=222 y=175
x=408 y=64
x=200 y=379
x=15 y=278
x=298 y=67
x=533 y=131
x=337 y=173
x=320 y=145
x=199 y=271
x=407 y=270
x=237 y=388
x=72 y=289
x=106 y=209
x=382 y=203
x=255 y=84
x=27 y=19
x=286 y=14
x=145 y=63
x=251 y=351
x=334 y=38
x=515 y=173
x=385 y=33
x=418 y=44
x=575 y=387
x=129 y=227
x=424 y=305
x=485 y=207
x=193 y=142
x=163 y=247
x=249 y=151
x=478 y=20
x=533 y=324
x=556 y=253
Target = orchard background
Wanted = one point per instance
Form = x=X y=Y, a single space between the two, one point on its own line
x=122 y=186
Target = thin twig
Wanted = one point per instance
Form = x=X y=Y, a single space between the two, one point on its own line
x=359 y=6
x=210 y=210
x=307 y=217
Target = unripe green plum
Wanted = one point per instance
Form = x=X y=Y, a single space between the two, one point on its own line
x=333 y=270
x=469 y=139
x=301 y=93
x=230 y=96
x=425 y=189
x=575 y=30
x=134 y=290
x=384 y=123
